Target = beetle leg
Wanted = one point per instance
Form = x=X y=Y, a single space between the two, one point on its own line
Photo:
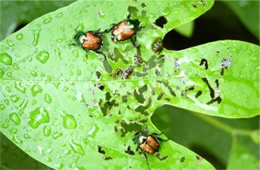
x=109 y=29
x=99 y=52
x=146 y=158
x=133 y=41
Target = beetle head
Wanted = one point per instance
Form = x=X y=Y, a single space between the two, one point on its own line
x=135 y=23
x=79 y=37
x=139 y=135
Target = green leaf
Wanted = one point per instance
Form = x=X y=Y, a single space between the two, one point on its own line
x=242 y=158
x=50 y=95
x=58 y=115
x=16 y=13
x=186 y=29
x=247 y=11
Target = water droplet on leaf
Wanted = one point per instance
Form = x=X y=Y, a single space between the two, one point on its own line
x=38 y=116
x=2 y=107
x=69 y=121
x=77 y=148
x=19 y=36
x=36 y=89
x=1 y=73
x=36 y=35
x=17 y=140
x=15 y=118
x=46 y=131
x=43 y=57
x=47 y=98
x=10 y=43
x=5 y=59
x=48 y=20
x=14 y=98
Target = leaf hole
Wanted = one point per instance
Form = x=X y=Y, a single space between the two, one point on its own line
x=161 y=21
x=100 y=150
x=129 y=151
x=204 y=62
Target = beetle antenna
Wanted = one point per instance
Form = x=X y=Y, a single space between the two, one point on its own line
x=109 y=29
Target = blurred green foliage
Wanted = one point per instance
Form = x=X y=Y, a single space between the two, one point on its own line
x=248 y=13
x=16 y=14
x=210 y=137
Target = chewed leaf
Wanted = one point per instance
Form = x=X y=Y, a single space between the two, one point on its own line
x=220 y=78
x=74 y=108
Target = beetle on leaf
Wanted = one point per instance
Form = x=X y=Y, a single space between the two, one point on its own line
x=147 y=143
x=90 y=41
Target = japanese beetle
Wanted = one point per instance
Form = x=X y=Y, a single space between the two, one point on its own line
x=157 y=45
x=125 y=30
x=148 y=143
x=89 y=41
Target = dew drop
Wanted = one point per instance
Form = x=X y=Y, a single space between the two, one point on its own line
x=59 y=15
x=47 y=98
x=38 y=116
x=6 y=102
x=9 y=74
x=15 y=67
x=2 y=107
x=4 y=125
x=77 y=148
x=26 y=136
x=69 y=121
x=15 y=118
x=43 y=56
x=75 y=53
x=56 y=135
x=36 y=35
x=48 y=20
x=93 y=131
x=59 y=40
x=19 y=36
x=14 y=98
x=36 y=89
x=19 y=87
x=5 y=59
x=10 y=43
x=13 y=131
x=1 y=73
x=80 y=27
x=166 y=11
x=17 y=140
x=46 y=131
x=65 y=89
x=34 y=74
x=23 y=105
